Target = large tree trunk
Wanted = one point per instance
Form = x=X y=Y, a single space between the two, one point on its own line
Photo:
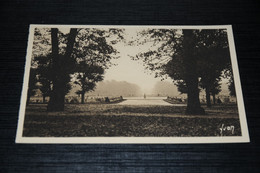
x=191 y=77
x=57 y=97
x=69 y=48
x=61 y=65
x=43 y=98
x=193 y=103
x=208 y=97
x=82 y=97
x=214 y=98
x=56 y=102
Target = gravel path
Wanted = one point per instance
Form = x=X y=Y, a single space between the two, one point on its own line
x=147 y=101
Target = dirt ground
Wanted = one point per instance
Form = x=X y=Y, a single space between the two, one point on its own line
x=82 y=120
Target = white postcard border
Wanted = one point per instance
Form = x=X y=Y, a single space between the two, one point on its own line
x=134 y=140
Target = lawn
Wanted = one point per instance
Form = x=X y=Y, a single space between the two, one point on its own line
x=83 y=120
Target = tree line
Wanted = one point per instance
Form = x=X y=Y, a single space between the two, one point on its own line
x=194 y=59
x=78 y=57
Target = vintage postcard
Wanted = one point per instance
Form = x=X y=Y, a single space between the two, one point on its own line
x=131 y=84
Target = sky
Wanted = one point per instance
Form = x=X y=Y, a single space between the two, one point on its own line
x=133 y=72
x=130 y=70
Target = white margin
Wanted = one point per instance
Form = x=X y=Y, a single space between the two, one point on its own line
x=134 y=140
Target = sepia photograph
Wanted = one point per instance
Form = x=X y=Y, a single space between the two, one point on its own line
x=131 y=84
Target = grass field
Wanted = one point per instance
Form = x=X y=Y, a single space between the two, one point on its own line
x=82 y=120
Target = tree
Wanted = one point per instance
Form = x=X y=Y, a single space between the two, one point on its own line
x=63 y=64
x=44 y=73
x=45 y=87
x=66 y=51
x=32 y=86
x=215 y=90
x=93 y=53
x=214 y=59
x=176 y=57
x=228 y=74
x=212 y=87
x=191 y=72
x=95 y=46
x=183 y=55
x=40 y=61
x=86 y=78
x=182 y=87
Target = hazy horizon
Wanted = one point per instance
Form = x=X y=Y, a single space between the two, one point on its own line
x=124 y=88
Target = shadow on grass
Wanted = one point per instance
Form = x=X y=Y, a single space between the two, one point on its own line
x=82 y=120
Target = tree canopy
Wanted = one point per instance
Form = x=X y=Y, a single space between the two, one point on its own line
x=58 y=56
x=86 y=77
x=187 y=56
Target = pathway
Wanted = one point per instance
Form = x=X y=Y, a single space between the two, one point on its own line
x=147 y=101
